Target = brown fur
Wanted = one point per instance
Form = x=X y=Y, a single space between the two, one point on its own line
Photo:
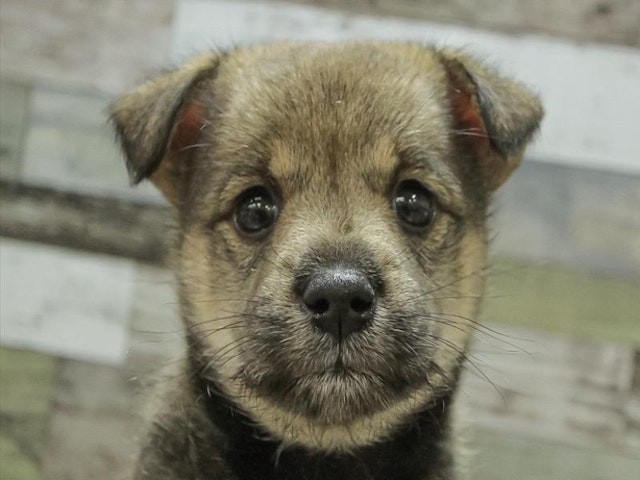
x=331 y=129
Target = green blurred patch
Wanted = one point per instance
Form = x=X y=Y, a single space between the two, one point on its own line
x=26 y=388
x=500 y=456
x=552 y=298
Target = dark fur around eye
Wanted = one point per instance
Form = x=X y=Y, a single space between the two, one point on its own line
x=255 y=213
x=414 y=206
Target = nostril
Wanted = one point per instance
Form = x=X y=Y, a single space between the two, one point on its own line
x=340 y=300
x=319 y=306
x=360 y=305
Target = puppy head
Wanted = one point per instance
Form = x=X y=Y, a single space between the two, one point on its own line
x=332 y=203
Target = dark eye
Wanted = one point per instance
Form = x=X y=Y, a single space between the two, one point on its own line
x=414 y=206
x=256 y=211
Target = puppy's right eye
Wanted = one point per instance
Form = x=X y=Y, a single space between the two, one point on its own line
x=414 y=205
x=255 y=212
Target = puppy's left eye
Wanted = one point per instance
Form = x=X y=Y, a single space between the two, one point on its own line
x=414 y=206
x=256 y=211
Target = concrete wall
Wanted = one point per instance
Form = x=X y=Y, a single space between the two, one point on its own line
x=610 y=21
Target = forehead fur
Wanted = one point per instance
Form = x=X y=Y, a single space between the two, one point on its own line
x=301 y=109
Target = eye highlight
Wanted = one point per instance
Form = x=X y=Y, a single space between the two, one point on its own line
x=414 y=206
x=255 y=212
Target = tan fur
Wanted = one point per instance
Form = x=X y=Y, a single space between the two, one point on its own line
x=332 y=130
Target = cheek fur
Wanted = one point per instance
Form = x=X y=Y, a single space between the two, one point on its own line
x=215 y=300
x=459 y=304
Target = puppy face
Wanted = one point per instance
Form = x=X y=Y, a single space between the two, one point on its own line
x=331 y=202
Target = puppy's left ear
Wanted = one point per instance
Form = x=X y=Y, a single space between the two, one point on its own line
x=159 y=121
x=497 y=115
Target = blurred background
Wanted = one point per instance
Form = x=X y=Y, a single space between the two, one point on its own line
x=86 y=302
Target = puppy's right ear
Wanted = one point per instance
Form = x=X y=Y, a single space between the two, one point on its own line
x=157 y=122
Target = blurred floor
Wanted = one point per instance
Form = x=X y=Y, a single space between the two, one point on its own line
x=553 y=389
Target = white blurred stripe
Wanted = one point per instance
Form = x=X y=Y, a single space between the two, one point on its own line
x=66 y=303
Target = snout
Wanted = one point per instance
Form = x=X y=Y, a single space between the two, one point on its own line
x=341 y=300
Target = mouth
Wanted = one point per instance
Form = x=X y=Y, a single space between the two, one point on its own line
x=339 y=368
x=330 y=381
x=338 y=394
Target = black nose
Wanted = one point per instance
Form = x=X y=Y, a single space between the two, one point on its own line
x=341 y=300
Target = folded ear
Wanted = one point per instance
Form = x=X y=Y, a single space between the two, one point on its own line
x=157 y=122
x=498 y=116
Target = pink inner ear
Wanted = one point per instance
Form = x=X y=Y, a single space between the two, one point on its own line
x=466 y=111
x=187 y=130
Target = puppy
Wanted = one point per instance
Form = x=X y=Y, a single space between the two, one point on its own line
x=331 y=201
